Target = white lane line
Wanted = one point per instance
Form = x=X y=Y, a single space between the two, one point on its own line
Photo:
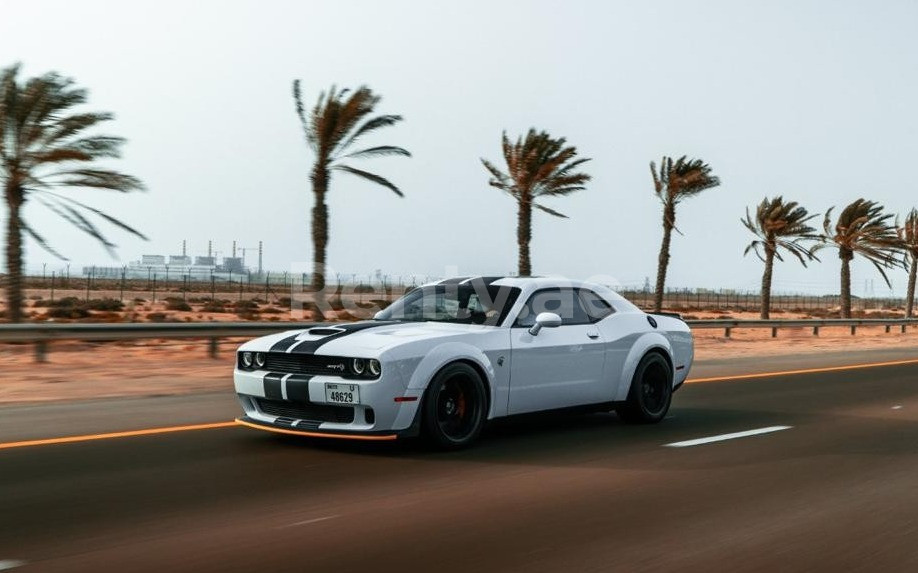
x=897 y=407
x=6 y=565
x=314 y=520
x=722 y=437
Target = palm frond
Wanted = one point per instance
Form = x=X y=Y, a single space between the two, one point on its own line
x=379 y=151
x=370 y=177
x=550 y=211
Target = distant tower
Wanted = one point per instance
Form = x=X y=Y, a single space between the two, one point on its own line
x=259 y=257
x=184 y=247
x=210 y=249
x=234 y=249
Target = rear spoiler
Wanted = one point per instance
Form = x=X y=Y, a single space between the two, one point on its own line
x=675 y=315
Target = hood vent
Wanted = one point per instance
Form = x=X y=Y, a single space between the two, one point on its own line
x=325 y=331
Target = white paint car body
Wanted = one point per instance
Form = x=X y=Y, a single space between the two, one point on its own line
x=564 y=366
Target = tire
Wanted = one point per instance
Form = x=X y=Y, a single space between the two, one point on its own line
x=454 y=407
x=651 y=391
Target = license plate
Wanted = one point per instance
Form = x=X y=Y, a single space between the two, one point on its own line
x=342 y=393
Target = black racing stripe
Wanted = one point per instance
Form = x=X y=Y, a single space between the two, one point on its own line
x=283 y=344
x=272 y=382
x=298 y=388
x=453 y=281
x=311 y=346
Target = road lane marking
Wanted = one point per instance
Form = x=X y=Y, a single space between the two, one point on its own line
x=310 y=521
x=897 y=407
x=111 y=435
x=722 y=437
x=6 y=565
x=803 y=371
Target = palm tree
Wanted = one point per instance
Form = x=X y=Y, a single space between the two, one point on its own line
x=675 y=181
x=778 y=225
x=337 y=121
x=537 y=166
x=44 y=150
x=908 y=234
x=863 y=229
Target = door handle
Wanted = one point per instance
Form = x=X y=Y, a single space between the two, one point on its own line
x=593 y=334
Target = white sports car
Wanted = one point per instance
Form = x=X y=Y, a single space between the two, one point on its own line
x=448 y=356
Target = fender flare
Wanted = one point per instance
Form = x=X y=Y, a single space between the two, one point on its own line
x=644 y=344
x=434 y=361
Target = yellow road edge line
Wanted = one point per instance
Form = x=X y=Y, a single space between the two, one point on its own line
x=802 y=371
x=111 y=435
x=374 y=438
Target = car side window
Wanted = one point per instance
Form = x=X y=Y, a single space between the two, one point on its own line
x=565 y=302
x=596 y=307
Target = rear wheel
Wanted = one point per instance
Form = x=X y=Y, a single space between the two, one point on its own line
x=651 y=391
x=454 y=407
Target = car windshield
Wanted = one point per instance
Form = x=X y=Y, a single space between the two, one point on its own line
x=468 y=303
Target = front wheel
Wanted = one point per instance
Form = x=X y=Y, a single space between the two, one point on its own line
x=651 y=392
x=454 y=407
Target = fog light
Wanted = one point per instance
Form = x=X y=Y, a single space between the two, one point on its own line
x=259 y=359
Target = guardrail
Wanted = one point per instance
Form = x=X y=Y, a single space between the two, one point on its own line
x=44 y=333
x=815 y=323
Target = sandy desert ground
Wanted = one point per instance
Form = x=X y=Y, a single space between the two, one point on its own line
x=80 y=370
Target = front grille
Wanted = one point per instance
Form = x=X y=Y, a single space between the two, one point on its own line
x=306 y=411
x=304 y=363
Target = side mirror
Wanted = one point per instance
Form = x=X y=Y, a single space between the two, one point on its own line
x=378 y=315
x=545 y=320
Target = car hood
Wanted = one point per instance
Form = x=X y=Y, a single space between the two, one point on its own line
x=361 y=337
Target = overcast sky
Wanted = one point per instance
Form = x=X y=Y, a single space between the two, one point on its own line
x=812 y=100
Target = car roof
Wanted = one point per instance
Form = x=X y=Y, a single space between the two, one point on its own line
x=529 y=284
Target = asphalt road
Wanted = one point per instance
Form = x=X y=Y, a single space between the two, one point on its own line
x=837 y=490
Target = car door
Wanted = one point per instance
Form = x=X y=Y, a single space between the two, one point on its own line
x=559 y=366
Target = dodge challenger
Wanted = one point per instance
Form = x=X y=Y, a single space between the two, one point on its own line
x=448 y=356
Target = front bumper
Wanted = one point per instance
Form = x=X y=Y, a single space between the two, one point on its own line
x=295 y=404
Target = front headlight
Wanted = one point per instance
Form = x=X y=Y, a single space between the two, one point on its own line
x=359 y=366
x=246 y=359
x=260 y=359
x=374 y=367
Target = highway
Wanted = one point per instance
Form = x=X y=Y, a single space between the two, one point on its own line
x=832 y=485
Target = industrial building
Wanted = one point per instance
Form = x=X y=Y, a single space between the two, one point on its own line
x=176 y=267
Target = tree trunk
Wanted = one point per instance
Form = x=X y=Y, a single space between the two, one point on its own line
x=523 y=236
x=845 y=257
x=319 y=236
x=14 y=200
x=669 y=221
x=766 y=281
x=910 y=295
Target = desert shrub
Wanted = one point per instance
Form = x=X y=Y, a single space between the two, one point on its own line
x=362 y=288
x=177 y=304
x=689 y=317
x=68 y=312
x=105 y=304
x=284 y=301
x=213 y=306
x=271 y=310
x=66 y=302
x=380 y=303
x=335 y=303
x=140 y=300
x=241 y=305
x=157 y=317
